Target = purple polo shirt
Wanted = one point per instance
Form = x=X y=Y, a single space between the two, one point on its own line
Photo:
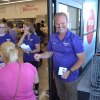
x=5 y=38
x=64 y=52
x=13 y=34
x=34 y=39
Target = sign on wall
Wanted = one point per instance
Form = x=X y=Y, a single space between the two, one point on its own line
x=2 y=9
x=23 y=10
x=29 y=7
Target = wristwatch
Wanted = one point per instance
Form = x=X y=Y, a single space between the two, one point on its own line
x=70 y=71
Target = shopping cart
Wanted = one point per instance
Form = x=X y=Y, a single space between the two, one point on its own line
x=94 y=97
x=98 y=47
x=95 y=78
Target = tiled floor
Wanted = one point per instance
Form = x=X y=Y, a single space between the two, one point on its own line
x=43 y=76
x=84 y=83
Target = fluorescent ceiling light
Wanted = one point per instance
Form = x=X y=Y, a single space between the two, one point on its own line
x=27 y=0
x=5 y=0
x=15 y=2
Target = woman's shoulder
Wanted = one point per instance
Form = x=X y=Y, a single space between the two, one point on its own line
x=12 y=31
x=34 y=35
x=26 y=64
x=6 y=35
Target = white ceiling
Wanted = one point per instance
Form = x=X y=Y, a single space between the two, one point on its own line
x=12 y=1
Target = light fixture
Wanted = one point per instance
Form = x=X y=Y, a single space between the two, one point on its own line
x=5 y=0
x=15 y=2
x=27 y=0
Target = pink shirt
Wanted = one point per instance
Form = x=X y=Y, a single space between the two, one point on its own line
x=8 y=81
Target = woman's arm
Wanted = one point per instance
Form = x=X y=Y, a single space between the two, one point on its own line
x=21 y=40
x=36 y=78
x=37 y=48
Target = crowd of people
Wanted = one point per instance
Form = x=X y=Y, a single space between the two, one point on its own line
x=20 y=80
x=25 y=73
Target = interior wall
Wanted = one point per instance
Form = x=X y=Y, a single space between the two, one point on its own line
x=23 y=10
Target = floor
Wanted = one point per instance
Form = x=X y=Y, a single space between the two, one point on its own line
x=83 y=85
x=43 y=76
x=84 y=81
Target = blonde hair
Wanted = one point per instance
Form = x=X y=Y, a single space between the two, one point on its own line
x=9 y=52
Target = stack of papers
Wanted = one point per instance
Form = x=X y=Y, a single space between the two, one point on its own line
x=25 y=47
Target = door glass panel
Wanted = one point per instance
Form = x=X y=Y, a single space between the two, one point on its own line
x=73 y=17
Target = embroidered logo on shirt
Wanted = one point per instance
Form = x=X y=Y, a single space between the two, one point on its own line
x=31 y=39
x=65 y=44
x=8 y=39
x=54 y=43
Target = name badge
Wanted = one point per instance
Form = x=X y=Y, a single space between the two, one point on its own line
x=61 y=70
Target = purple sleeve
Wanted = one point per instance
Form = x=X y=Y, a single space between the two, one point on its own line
x=49 y=45
x=37 y=39
x=11 y=40
x=78 y=45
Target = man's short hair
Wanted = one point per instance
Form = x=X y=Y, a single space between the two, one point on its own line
x=60 y=14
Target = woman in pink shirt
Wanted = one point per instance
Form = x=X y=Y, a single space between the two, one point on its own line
x=16 y=79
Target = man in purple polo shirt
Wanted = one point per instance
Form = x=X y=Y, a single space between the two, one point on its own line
x=68 y=56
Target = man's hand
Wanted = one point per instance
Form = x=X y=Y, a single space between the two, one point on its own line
x=65 y=74
x=37 y=57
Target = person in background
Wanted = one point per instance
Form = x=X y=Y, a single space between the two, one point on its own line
x=42 y=23
x=31 y=40
x=4 y=37
x=4 y=20
x=68 y=56
x=17 y=78
x=39 y=32
x=12 y=32
x=33 y=22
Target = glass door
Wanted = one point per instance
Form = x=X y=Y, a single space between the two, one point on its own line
x=73 y=11
x=73 y=17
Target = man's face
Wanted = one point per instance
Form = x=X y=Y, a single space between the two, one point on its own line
x=2 y=28
x=61 y=24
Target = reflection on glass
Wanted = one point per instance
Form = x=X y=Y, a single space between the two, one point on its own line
x=73 y=17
